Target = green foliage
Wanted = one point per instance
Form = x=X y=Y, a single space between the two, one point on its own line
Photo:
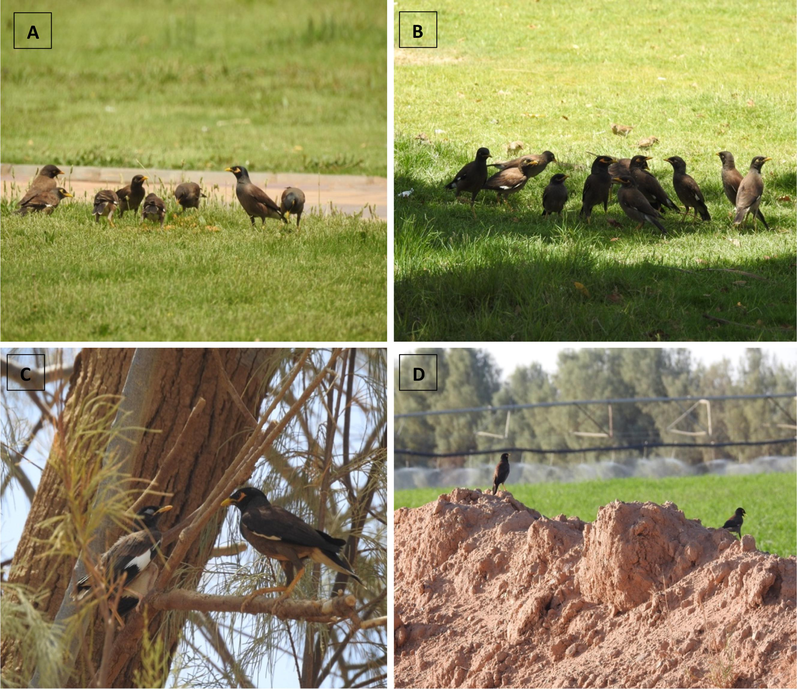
x=556 y=76
x=769 y=499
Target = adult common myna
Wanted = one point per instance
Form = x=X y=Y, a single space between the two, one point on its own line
x=731 y=177
x=541 y=160
x=281 y=535
x=749 y=195
x=471 y=177
x=554 y=197
x=734 y=524
x=292 y=201
x=105 y=203
x=131 y=196
x=256 y=202
x=597 y=186
x=512 y=179
x=635 y=205
x=46 y=201
x=188 y=195
x=687 y=189
x=44 y=181
x=125 y=562
x=501 y=472
x=153 y=209
x=649 y=185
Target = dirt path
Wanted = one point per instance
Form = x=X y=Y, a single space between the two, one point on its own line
x=345 y=193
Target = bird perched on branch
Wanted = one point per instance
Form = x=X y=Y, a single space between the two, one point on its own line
x=131 y=196
x=292 y=201
x=127 y=565
x=734 y=524
x=501 y=472
x=597 y=186
x=511 y=180
x=471 y=177
x=188 y=195
x=282 y=536
x=635 y=205
x=105 y=203
x=44 y=181
x=256 y=202
x=687 y=189
x=748 y=197
x=46 y=201
x=649 y=185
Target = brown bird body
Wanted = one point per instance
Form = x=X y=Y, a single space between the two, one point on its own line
x=734 y=524
x=153 y=209
x=256 y=202
x=541 y=161
x=188 y=195
x=44 y=181
x=471 y=178
x=131 y=196
x=501 y=472
x=292 y=201
x=635 y=205
x=105 y=203
x=749 y=194
x=649 y=185
x=620 y=167
x=46 y=201
x=731 y=177
x=555 y=195
x=597 y=186
x=687 y=189
x=511 y=180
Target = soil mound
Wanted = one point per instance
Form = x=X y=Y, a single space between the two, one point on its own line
x=490 y=593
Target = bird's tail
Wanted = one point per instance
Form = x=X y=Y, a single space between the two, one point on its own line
x=704 y=214
x=333 y=561
x=760 y=216
x=451 y=185
x=656 y=222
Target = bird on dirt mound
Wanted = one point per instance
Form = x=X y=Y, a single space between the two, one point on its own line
x=734 y=524
x=501 y=472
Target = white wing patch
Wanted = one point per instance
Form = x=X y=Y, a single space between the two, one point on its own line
x=270 y=538
x=141 y=561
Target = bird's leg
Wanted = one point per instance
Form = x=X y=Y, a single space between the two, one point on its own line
x=260 y=592
x=289 y=588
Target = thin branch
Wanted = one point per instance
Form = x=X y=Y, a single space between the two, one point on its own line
x=236 y=397
x=366 y=682
x=374 y=622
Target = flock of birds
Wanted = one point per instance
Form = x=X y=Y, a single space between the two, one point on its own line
x=44 y=195
x=641 y=195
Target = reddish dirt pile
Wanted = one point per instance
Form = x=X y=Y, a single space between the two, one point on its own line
x=490 y=593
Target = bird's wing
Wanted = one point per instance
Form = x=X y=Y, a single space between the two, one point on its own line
x=277 y=524
x=261 y=196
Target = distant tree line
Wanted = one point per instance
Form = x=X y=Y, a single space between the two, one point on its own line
x=472 y=378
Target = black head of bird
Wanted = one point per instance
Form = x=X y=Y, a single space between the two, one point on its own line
x=63 y=193
x=138 y=180
x=558 y=178
x=602 y=162
x=625 y=180
x=483 y=153
x=243 y=497
x=727 y=158
x=758 y=162
x=238 y=171
x=678 y=163
x=740 y=512
x=548 y=156
x=147 y=517
x=640 y=162
x=51 y=171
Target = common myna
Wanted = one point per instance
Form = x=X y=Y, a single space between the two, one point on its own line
x=256 y=202
x=471 y=177
x=734 y=524
x=597 y=186
x=292 y=201
x=620 y=167
x=105 y=203
x=44 y=181
x=125 y=562
x=46 y=201
x=541 y=160
x=131 y=196
x=649 y=185
x=687 y=189
x=188 y=195
x=731 y=177
x=153 y=209
x=554 y=197
x=281 y=535
x=501 y=472
x=635 y=205
x=749 y=195
x=512 y=179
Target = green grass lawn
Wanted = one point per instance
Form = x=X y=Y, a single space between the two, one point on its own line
x=770 y=501
x=207 y=276
x=297 y=87
x=556 y=76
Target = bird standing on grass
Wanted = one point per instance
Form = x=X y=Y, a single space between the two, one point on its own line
x=541 y=161
x=471 y=177
x=292 y=201
x=597 y=186
x=512 y=179
x=649 y=185
x=44 y=181
x=501 y=472
x=153 y=209
x=105 y=203
x=749 y=195
x=554 y=197
x=635 y=205
x=128 y=563
x=731 y=177
x=46 y=201
x=734 y=524
x=131 y=196
x=188 y=195
x=256 y=202
x=687 y=189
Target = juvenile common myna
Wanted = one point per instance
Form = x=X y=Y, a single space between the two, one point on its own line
x=256 y=202
x=620 y=167
x=105 y=203
x=597 y=186
x=687 y=189
x=512 y=179
x=554 y=197
x=649 y=185
x=541 y=160
x=125 y=562
x=281 y=535
x=749 y=195
x=734 y=524
x=501 y=472
x=188 y=195
x=153 y=209
x=46 y=201
x=44 y=181
x=131 y=196
x=635 y=205
x=471 y=177
x=292 y=201
x=731 y=177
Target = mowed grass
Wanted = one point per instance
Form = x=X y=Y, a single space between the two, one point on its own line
x=556 y=77
x=296 y=87
x=770 y=501
x=209 y=276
